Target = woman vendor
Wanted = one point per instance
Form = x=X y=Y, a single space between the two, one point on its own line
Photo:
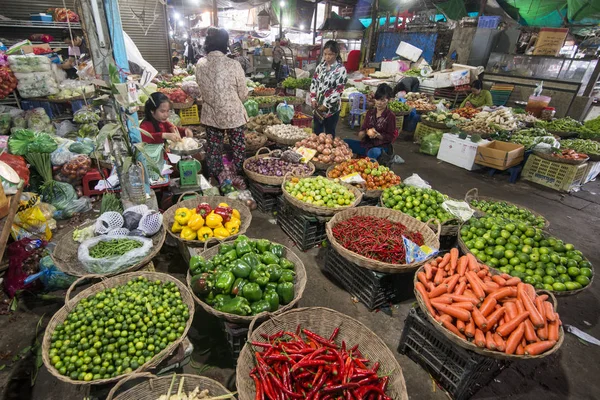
x=379 y=127
x=156 y=121
x=478 y=97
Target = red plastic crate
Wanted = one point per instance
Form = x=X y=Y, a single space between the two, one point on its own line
x=303 y=122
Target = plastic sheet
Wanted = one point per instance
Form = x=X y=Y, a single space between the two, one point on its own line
x=112 y=264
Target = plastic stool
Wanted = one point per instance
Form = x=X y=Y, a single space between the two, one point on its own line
x=90 y=180
x=358 y=106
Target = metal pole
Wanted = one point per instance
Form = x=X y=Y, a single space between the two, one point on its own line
x=315 y=23
x=281 y=20
x=99 y=53
x=215 y=12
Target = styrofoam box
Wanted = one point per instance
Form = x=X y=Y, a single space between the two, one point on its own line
x=459 y=152
x=409 y=51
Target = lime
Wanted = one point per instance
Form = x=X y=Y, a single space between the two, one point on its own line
x=561 y=269
x=573 y=271
x=551 y=272
x=509 y=254
x=587 y=272
x=572 y=285
x=582 y=280
x=548 y=286
x=559 y=287
x=548 y=280
x=563 y=278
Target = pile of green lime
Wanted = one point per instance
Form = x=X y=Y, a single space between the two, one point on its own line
x=509 y=211
x=521 y=250
x=118 y=329
x=421 y=204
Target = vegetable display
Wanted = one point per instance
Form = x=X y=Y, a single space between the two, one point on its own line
x=176 y=95
x=526 y=252
x=420 y=102
x=329 y=150
x=379 y=238
x=564 y=125
x=115 y=247
x=117 y=330
x=254 y=139
x=593 y=124
x=320 y=191
x=444 y=117
x=259 y=123
x=203 y=222
x=496 y=312
x=375 y=176
x=568 y=154
x=286 y=132
x=263 y=91
x=466 y=112
x=501 y=119
x=8 y=81
x=304 y=365
x=529 y=142
x=421 y=204
x=398 y=106
x=247 y=277
x=508 y=211
x=273 y=166
x=589 y=147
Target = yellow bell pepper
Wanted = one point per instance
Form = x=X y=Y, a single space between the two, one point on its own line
x=213 y=220
x=236 y=214
x=196 y=222
x=188 y=233
x=223 y=205
x=233 y=226
x=182 y=216
x=176 y=228
x=221 y=233
x=205 y=233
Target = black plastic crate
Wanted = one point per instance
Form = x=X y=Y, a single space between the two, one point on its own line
x=236 y=338
x=265 y=196
x=459 y=371
x=447 y=242
x=373 y=289
x=304 y=230
x=369 y=201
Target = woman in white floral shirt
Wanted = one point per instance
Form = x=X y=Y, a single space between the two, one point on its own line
x=223 y=89
x=326 y=89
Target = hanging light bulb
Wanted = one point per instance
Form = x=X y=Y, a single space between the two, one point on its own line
x=282 y=3
x=301 y=27
x=176 y=15
x=181 y=23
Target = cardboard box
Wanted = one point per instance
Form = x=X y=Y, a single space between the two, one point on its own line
x=459 y=152
x=29 y=49
x=499 y=155
x=550 y=41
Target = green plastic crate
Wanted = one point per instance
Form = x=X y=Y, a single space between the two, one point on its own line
x=423 y=130
x=555 y=175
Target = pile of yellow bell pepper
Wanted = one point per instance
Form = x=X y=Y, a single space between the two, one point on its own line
x=193 y=226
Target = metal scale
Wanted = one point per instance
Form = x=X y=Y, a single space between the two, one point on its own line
x=189 y=168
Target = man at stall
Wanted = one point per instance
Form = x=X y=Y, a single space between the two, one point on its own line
x=77 y=49
x=277 y=58
x=408 y=84
x=478 y=97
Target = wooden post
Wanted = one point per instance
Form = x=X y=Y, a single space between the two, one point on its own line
x=215 y=13
x=88 y=24
x=372 y=36
x=315 y=22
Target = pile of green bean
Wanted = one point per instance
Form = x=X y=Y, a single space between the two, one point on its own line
x=114 y=247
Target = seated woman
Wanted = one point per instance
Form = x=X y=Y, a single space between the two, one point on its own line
x=379 y=127
x=156 y=121
x=478 y=97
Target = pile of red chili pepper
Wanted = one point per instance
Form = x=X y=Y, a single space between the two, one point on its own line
x=315 y=368
x=375 y=238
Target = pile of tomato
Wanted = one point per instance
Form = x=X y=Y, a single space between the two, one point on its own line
x=376 y=176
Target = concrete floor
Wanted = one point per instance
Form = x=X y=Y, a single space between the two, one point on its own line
x=571 y=373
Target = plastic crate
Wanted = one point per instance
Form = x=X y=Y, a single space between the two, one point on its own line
x=305 y=231
x=236 y=338
x=399 y=122
x=369 y=201
x=489 y=22
x=190 y=116
x=459 y=371
x=265 y=196
x=555 y=175
x=373 y=289
x=303 y=122
x=423 y=130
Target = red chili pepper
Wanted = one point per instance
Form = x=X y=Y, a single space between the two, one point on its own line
x=338 y=388
x=319 y=339
x=308 y=363
x=334 y=334
x=282 y=387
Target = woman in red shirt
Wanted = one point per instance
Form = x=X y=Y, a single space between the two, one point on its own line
x=156 y=121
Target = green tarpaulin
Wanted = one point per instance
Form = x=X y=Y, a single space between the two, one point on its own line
x=453 y=9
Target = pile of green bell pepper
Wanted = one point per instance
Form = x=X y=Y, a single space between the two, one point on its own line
x=246 y=277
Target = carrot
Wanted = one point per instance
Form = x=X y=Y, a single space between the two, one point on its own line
x=455 y=312
x=553 y=331
x=442 y=300
x=482 y=273
x=480 y=320
x=428 y=272
x=520 y=350
x=514 y=281
x=444 y=317
x=489 y=341
x=479 y=338
x=539 y=304
x=500 y=343
x=460 y=288
x=465 y=305
x=438 y=291
x=503 y=292
x=473 y=265
x=506 y=276
x=535 y=316
x=452 y=283
x=543 y=332
x=425 y=297
x=488 y=306
x=544 y=297
x=453 y=329
x=514 y=339
x=434 y=263
x=438 y=259
x=453 y=258
x=422 y=278
x=499 y=280
x=460 y=326
x=549 y=311
x=470 y=328
x=530 y=290
x=444 y=261
x=513 y=324
x=511 y=311
x=439 y=276
x=530 y=334
x=520 y=307
x=458 y=299
x=487 y=279
x=494 y=317
x=538 y=348
x=462 y=266
x=475 y=286
x=490 y=287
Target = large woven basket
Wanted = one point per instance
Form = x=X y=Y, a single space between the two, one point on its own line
x=65 y=254
x=154 y=387
x=550 y=157
x=473 y=194
x=322 y=321
x=266 y=179
x=319 y=210
x=213 y=201
x=277 y=139
x=484 y=351
x=183 y=106
x=299 y=286
x=322 y=166
x=371 y=194
x=436 y=125
x=70 y=304
x=564 y=135
x=263 y=139
x=430 y=238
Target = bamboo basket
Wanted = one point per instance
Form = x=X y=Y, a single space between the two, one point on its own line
x=70 y=304
x=65 y=254
x=436 y=125
x=322 y=321
x=299 y=286
x=319 y=210
x=430 y=238
x=473 y=194
x=154 y=386
x=263 y=140
x=322 y=166
x=549 y=157
x=213 y=201
x=484 y=351
x=266 y=179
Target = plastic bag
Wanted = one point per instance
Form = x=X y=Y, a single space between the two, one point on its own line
x=285 y=113
x=5 y=122
x=86 y=115
x=30 y=220
x=51 y=277
x=174 y=118
x=416 y=181
x=65 y=128
x=440 y=107
x=460 y=209
x=251 y=107
x=82 y=146
x=114 y=263
x=81 y=205
x=191 y=88
x=431 y=143
x=88 y=130
x=62 y=155
x=416 y=253
x=22 y=262
x=37 y=120
x=64 y=197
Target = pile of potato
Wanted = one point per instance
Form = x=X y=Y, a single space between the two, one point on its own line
x=260 y=122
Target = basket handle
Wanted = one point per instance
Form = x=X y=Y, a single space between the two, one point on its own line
x=436 y=222
x=134 y=375
x=210 y=240
x=471 y=194
x=259 y=317
x=74 y=285
x=258 y=151
x=185 y=194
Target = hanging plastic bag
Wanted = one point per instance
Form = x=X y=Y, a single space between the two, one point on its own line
x=30 y=220
x=285 y=112
x=112 y=264
x=82 y=146
x=431 y=143
x=62 y=155
x=51 y=277
x=174 y=118
x=65 y=128
x=416 y=181
x=441 y=107
x=251 y=107
x=460 y=209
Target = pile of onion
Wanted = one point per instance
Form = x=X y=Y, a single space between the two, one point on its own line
x=329 y=150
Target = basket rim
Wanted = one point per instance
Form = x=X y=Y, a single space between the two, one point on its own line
x=435 y=125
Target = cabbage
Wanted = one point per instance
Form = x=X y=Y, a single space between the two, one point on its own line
x=431 y=143
x=251 y=108
x=285 y=113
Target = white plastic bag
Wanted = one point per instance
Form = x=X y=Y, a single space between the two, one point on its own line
x=460 y=209
x=115 y=263
x=416 y=181
x=441 y=107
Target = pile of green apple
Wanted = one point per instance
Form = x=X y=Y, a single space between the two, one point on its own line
x=421 y=204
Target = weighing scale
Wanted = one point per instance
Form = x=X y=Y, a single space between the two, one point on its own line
x=189 y=167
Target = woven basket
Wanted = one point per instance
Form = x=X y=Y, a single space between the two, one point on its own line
x=431 y=239
x=265 y=94
x=473 y=194
x=154 y=387
x=322 y=321
x=371 y=194
x=183 y=106
x=213 y=201
x=277 y=139
x=564 y=135
x=550 y=157
x=321 y=166
x=261 y=143
x=401 y=113
x=299 y=286
x=484 y=351
x=436 y=125
x=65 y=254
x=266 y=179
x=61 y=316
x=319 y=210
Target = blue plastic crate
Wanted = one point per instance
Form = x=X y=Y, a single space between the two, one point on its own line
x=489 y=22
x=40 y=17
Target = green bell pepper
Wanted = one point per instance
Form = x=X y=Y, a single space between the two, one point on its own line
x=271 y=287
x=278 y=250
x=252 y=291
x=273 y=299
x=224 y=282
x=197 y=264
x=210 y=299
x=201 y=284
x=238 y=285
x=220 y=299
x=242 y=248
x=260 y=276
x=251 y=259
x=241 y=238
x=275 y=272
x=287 y=276
x=285 y=291
x=241 y=269
x=260 y=306
x=286 y=264
x=237 y=305
x=269 y=258
x=231 y=255
x=263 y=245
x=225 y=248
x=217 y=260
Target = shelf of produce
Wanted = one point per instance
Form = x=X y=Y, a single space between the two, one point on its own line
x=6 y=222
x=53 y=45
x=14 y=23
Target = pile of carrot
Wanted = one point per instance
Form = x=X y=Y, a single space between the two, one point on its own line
x=497 y=312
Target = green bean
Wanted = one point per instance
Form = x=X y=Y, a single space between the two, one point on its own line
x=114 y=247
